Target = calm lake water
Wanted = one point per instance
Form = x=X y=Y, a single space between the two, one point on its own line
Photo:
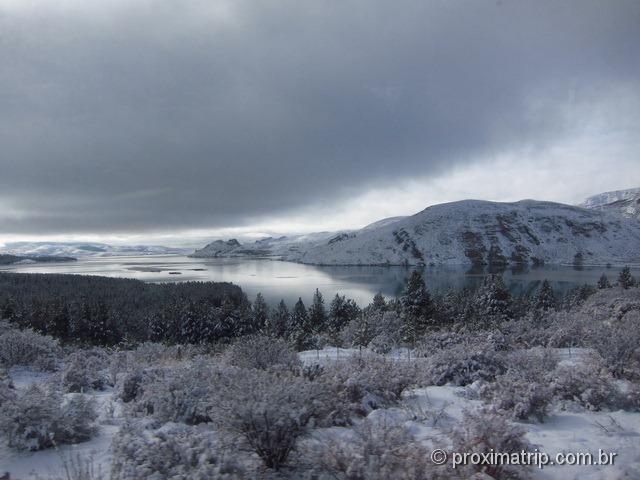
x=289 y=281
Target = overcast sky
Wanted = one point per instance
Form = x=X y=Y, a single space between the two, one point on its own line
x=168 y=120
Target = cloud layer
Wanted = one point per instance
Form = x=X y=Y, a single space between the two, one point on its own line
x=160 y=115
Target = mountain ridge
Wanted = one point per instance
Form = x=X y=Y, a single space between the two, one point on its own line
x=478 y=232
x=624 y=203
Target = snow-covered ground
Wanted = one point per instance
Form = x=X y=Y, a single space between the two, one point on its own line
x=429 y=413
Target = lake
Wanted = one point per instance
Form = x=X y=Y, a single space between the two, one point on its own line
x=289 y=281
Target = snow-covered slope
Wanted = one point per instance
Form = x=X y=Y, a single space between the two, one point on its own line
x=219 y=248
x=606 y=198
x=266 y=247
x=480 y=232
x=383 y=223
x=625 y=203
x=84 y=249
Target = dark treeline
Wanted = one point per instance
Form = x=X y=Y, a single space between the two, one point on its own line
x=107 y=311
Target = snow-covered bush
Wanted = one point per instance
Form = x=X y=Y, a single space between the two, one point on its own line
x=26 y=347
x=484 y=432
x=434 y=342
x=262 y=352
x=532 y=365
x=129 y=386
x=518 y=397
x=175 y=451
x=84 y=371
x=363 y=383
x=589 y=385
x=618 y=343
x=372 y=450
x=463 y=364
x=77 y=417
x=37 y=419
x=184 y=394
x=268 y=411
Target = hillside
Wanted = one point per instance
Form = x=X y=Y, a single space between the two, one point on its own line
x=6 y=259
x=84 y=249
x=480 y=232
x=624 y=203
x=266 y=247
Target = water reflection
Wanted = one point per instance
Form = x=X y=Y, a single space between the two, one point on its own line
x=286 y=280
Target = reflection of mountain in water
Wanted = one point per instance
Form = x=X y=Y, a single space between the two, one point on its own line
x=288 y=281
x=520 y=280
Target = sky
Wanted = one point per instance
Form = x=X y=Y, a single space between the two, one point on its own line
x=175 y=122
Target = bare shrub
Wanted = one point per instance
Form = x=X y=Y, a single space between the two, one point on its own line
x=174 y=451
x=589 y=385
x=462 y=365
x=518 y=397
x=80 y=467
x=532 y=365
x=485 y=432
x=184 y=394
x=262 y=352
x=372 y=450
x=361 y=384
x=618 y=343
x=268 y=410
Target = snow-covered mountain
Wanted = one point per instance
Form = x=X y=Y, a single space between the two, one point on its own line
x=625 y=203
x=607 y=198
x=265 y=247
x=84 y=249
x=471 y=232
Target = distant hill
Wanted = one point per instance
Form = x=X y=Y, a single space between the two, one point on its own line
x=625 y=203
x=85 y=249
x=470 y=232
x=17 y=259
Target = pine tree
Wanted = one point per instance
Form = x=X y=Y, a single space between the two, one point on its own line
x=492 y=302
x=228 y=322
x=417 y=308
x=379 y=303
x=191 y=324
x=364 y=331
x=298 y=331
x=157 y=328
x=545 y=299
x=603 y=282
x=341 y=312
x=625 y=280
x=317 y=313
x=279 y=321
x=260 y=313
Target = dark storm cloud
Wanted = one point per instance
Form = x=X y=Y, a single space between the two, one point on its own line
x=164 y=114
